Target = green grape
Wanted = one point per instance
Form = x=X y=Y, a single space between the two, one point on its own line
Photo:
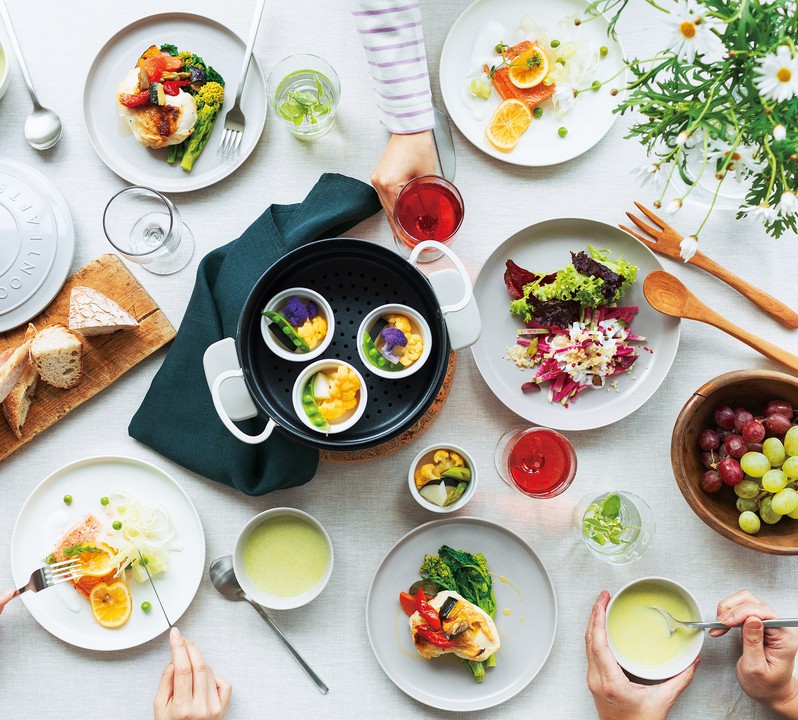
x=774 y=451
x=747 y=505
x=767 y=513
x=791 y=441
x=749 y=523
x=793 y=514
x=750 y=488
x=790 y=467
x=754 y=464
x=773 y=481
x=785 y=501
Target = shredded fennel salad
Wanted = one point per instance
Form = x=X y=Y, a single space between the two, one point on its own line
x=143 y=528
x=573 y=61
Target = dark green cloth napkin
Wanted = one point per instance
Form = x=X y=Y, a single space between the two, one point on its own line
x=177 y=418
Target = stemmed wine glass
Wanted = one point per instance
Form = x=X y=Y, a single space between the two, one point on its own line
x=146 y=228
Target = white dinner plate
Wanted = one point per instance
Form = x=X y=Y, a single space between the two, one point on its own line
x=543 y=248
x=221 y=48
x=45 y=517
x=591 y=117
x=522 y=586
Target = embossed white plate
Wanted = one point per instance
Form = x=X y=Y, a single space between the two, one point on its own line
x=37 y=242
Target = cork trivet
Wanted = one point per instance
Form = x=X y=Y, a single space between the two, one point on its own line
x=408 y=436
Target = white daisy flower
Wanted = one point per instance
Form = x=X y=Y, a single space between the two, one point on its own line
x=788 y=203
x=777 y=75
x=762 y=212
x=693 y=35
x=649 y=174
x=779 y=132
x=688 y=247
x=743 y=161
x=674 y=206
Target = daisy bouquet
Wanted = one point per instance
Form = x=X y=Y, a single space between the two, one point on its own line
x=719 y=104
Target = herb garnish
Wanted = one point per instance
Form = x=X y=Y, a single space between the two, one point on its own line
x=74 y=550
x=602 y=522
x=49 y=559
x=530 y=62
x=301 y=106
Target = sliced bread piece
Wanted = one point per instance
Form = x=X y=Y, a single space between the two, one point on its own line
x=18 y=401
x=92 y=313
x=11 y=369
x=57 y=354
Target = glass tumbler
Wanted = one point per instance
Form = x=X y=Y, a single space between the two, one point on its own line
x=146 y=228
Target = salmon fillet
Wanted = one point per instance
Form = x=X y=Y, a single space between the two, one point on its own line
x=85 y=532
x=533 y=96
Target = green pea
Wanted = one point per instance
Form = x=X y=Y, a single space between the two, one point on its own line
x=68 y=499
x=562 y=132
x=555 y=43
x=538 y=112
x=144 y=561
x=596 y=85
x=604 y=51
x=117 y=525
x=146 y=606
x=104 y=501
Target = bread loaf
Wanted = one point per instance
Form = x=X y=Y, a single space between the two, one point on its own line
x=12 y=368
x=92 y=313
x=57 y=354
x=18 y=401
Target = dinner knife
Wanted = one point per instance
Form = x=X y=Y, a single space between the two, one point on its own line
x=444 y=145
x=157 y=597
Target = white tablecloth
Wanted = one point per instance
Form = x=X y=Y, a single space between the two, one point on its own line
x=367 y=508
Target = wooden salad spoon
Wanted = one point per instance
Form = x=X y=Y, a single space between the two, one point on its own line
x=669 y=295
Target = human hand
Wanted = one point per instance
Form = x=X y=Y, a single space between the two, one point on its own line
x=189 y=690
x=5 y=597
x=405 y=157
x=615 y=695
x=765 y=668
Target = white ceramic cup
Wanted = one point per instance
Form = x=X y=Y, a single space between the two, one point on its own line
x=419 y=460
x=5 y=75
x=275 y=602
x=276 y=303
x=677 y=664
x=416 y=318
x=335 y=426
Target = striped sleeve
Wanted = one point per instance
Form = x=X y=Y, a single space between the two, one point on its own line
x=393 y=41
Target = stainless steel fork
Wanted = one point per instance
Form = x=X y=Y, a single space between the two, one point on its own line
x=234 y=121
x=50 y=575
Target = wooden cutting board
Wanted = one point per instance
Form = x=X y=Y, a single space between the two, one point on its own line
x=105 y=358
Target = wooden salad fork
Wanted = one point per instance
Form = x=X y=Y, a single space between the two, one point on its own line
x=666 y=242
x=670 y=296
x=50 y=575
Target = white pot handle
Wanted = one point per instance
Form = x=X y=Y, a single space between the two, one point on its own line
x=223 y=416
x=432 y=245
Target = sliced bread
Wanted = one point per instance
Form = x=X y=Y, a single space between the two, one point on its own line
x=11 y=369
x=92 y=313
x=57 y=354
x=18 y=401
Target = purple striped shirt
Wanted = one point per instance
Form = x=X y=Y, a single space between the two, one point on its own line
x=393 y=38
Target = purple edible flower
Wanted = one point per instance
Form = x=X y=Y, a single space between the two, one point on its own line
x=295 y=312
x=392 y=338
x=313 y=309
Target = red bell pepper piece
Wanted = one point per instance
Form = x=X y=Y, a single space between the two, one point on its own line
x=132 y=100
x=429 y=613
x=437 y=637
x=155 y=66
x=408 y=603
x=172 y=87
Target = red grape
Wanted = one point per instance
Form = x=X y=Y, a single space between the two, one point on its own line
x=724 y=417
x=709 y=460
x=753 y=432
x=736 y=446
x=755 y=447
x=778 y=424
x=711 y=482
x=730 y=471
x=778 y=407
x=709 y=440
x=741 y=418
x=723 y=434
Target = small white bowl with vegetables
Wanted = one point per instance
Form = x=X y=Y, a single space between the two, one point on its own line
x=297 y=324
x=442 y=477
x=394 y=341
x=330 y=396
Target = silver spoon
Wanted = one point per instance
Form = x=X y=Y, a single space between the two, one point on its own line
x=673 y=623
x=224 y=580
x=43 y=126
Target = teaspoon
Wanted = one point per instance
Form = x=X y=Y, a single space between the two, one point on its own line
x=224 y=580
x=43 y=126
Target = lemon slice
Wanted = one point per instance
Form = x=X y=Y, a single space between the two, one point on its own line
x=95 y=564
x=111 y=605
x=529 y=68
x=509 y=122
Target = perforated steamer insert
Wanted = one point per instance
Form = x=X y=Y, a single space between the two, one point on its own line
x=355 y=277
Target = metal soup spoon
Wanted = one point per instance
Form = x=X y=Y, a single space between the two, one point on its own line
x=43 y=126
x=224 y=580
x=673 y=623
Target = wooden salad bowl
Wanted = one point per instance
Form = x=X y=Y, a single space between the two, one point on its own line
x=746 y=388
